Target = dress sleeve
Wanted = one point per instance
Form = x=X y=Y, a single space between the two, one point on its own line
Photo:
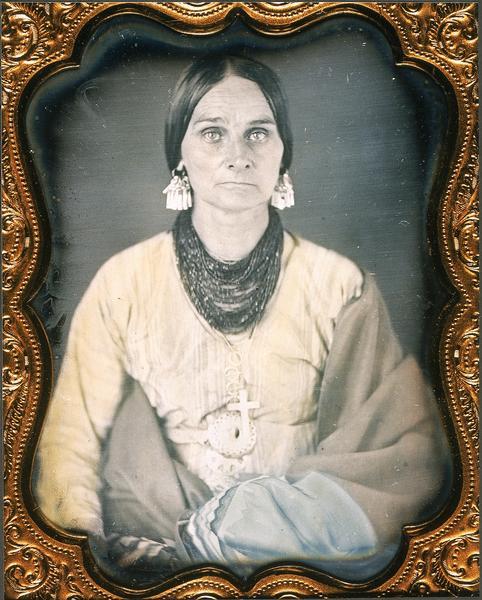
x=314 y=519
x=81 y=411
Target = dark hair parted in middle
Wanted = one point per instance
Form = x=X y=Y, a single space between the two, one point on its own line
x=200 y=77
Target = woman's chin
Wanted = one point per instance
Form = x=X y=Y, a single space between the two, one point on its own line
x=235 y=203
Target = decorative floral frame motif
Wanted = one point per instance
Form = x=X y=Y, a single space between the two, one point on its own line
x=40 y=37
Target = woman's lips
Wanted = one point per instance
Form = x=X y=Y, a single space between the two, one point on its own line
x=236 y=184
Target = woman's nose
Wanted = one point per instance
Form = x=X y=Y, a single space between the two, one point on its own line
x=238 y=156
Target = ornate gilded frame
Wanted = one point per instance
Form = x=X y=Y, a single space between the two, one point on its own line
x=39 y=38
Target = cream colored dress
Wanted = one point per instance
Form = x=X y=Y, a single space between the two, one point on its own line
x=136 y=321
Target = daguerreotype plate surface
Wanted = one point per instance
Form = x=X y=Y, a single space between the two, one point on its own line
x=382 y=100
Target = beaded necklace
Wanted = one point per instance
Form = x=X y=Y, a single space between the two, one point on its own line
x=231 y=296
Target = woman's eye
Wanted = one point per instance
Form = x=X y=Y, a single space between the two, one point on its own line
x=257 y=135
x=212 y=135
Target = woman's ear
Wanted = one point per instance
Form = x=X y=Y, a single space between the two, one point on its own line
x=178 y=192
x=283 y=194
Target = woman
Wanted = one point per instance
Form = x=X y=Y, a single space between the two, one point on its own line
x=231 y=393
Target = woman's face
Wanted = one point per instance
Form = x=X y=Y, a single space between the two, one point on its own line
x=232 y=149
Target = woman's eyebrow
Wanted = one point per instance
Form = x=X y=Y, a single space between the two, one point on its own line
x=208 y=120
x=263 y=121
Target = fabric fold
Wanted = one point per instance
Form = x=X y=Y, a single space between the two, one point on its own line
x=381 y=462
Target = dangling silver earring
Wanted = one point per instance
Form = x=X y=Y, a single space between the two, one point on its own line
x=283 y=194
x=179 y=190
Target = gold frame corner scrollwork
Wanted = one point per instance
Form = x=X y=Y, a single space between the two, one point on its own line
x=441 y=37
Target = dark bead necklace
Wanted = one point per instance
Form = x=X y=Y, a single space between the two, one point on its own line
x=231 y=296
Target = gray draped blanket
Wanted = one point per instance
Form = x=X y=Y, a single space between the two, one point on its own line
x=380 y=441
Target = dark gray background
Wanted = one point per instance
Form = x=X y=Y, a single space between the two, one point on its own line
x=367 y=139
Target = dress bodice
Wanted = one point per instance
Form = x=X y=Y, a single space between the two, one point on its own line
x=186 y=367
